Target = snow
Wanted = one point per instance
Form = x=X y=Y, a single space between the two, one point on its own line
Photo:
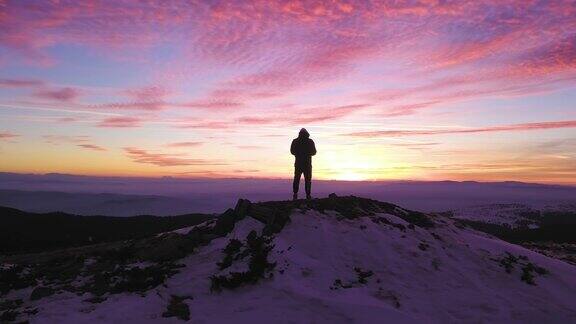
x=187 y=229
x=455 y=279
x=502 y=214
x=514 y=214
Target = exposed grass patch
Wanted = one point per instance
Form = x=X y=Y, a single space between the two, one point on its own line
x=423 y=246
x=257 y=249
x=361 y=279
x=363 y=275
x=178 y=308
x=15 y=277
x=231 y=252
x=529 y=270
x=122 y=280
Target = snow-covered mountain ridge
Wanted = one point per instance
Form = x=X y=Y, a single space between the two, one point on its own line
x=330 y=260
x=514 y=215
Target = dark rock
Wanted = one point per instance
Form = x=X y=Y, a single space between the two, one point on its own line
x=208 y=237
x=8 y=316
x=352 y=207
x=231 y=252
x=195 y=235
x=136 y=280
x=29 y=311
x=278 y=223
x=15 y=278
x=337 y=284
x=225 y=223
x=177 y=308
x=363 y=275
x=62 y=269
x=257 y=249
x=264 y=214
x=242 y=208
x=10 y=304
x=95 y=299
x=418 y=219
x=436 y=236
x=332 y=195
x=168 y=247
x=399 y=226
x=41 y=292
x=423 y=246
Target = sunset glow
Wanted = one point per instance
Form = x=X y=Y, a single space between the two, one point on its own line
x=423 y=90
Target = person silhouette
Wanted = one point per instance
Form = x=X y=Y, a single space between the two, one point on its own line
x=303 y=149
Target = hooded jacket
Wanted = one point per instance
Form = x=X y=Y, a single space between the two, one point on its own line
x=303 y=149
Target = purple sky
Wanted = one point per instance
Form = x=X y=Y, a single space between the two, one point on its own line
x=463 y=90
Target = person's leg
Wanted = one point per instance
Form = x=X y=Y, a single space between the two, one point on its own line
x=296 y=182
x=308 y=181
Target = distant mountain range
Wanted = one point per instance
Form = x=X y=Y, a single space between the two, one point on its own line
x=125 y=196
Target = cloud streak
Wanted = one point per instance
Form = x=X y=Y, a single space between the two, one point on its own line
x=184 y=144
x=92 y=147
x=81 y=141
x=506 y=128
x=120 y=122
x=66 y=94
x=8 y=136
x=164 y=159
x=20 y=83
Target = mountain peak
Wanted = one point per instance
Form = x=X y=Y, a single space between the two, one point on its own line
x=333 y=259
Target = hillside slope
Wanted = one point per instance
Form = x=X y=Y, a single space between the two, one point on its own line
x=547 y=229
x=332 y=260
x=23 y=232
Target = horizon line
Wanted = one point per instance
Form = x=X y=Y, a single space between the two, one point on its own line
x=170 y=177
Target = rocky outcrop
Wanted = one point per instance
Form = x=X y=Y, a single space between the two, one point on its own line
x=41 y=292
x=139 y=265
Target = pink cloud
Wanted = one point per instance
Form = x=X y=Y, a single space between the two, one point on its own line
x=67 y=119
x=212 y=105
x=208 y=125
x=162 y=105
x=8 y=135
x=299 y=116
x=249 y=147
x=311 y=68
x=295 y=116
x=283 y=47
x=163 y=159
x=144 y=105
x=257 y=120
x=82 y=141
x=63 y=94
x=184 y=144
x=122 y=122
x=148 y=94
x=29 y=30
x=408 y=109
x=92 y=147
x=20 y=83
x=505 y=128
x=325 y=114
x=59 y=139
x=555 y=57
x=416 y=146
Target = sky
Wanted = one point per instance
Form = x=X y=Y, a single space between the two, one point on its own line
x=418 y=90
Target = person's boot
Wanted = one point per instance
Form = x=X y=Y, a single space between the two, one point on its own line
x=295 y=196
x=308 y=196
